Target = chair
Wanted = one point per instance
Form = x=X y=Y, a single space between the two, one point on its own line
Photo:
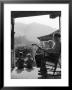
x=52 y=59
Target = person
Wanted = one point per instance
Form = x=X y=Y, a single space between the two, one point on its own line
x=43 y=69
x=20 y=63
x=29 y=62
x=54 y=53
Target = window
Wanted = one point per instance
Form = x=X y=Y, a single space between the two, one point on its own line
x=49 y=44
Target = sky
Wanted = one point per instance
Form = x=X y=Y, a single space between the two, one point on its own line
x=42 y=19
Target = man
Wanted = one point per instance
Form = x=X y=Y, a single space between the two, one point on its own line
x=55 y=52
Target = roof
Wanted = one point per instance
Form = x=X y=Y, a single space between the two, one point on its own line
x=48 y=37
x=45 y=38
x=17 y=14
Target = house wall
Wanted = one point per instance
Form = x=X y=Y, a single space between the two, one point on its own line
x=47 y=44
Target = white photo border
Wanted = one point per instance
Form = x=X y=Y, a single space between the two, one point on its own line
x=64 y=8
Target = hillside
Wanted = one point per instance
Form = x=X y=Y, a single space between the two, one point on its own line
x=26 y=34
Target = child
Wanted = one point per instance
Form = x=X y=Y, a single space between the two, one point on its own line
x=29 y=62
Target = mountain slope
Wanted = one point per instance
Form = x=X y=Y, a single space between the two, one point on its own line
x=27 y=34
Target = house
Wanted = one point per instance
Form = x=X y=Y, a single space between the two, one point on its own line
x=47 y=41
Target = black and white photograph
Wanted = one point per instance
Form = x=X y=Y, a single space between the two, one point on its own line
x=35 y=45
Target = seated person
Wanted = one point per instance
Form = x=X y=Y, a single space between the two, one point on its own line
x=20 y=63
x=29 y=62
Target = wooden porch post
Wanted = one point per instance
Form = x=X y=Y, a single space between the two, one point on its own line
x=12 y=43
